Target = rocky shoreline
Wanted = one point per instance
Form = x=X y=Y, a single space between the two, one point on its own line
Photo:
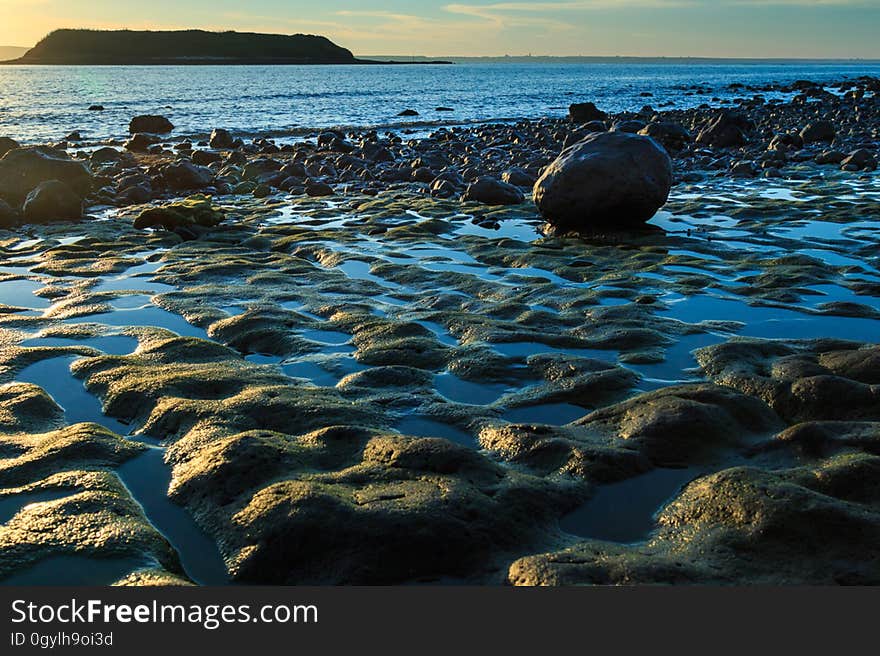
x=361 y=362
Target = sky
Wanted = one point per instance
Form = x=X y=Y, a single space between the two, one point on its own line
x=669 y=28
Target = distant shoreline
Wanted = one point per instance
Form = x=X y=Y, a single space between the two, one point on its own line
x=221 y=62
x=186 y=48
x=451 y=61
x=628 y=60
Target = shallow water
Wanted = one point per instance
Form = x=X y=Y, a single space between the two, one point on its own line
x=417 y=426
x=151 y=316
x=111 y=344
x=75 y=571
x=44 y=103
x=12 y=504
x=553 y=414
x=147 y=477
x=625 y=512
x=464 y=391
x=54 y=376
x=20 y=293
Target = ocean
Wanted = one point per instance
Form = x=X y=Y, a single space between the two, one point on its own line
x=40 y=104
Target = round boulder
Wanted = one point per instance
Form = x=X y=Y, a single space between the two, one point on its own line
x=150 y=124
x=610 y=179
x=52 y=201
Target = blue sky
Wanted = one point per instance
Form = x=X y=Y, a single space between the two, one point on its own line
x=719 y=28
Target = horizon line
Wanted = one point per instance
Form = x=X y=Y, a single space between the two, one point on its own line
x=598 y=57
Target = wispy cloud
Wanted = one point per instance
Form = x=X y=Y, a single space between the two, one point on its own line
x=493 y=10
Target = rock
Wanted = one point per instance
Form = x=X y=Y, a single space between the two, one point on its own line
x=183 y=175
x=7 y=144
x=423 y=174
x=673 y=425
x=785 y=143
x=633 y=127
x=611 y=179
x=8 y=216
x=22 y=169
x=671 y=135
x=377 y=154
x=591 y=126
x=96 y=108
x=518 y=178
x=830 y=157
x=318 y=189
x=205 y=157
x=859 y=160
x=294 y=170
x=408 y=112
x=221 y=139
x=192 y=211
x=744 y=170
x=107 y=155
x=727 y=130
x=489 y=191
x=141 y=142
x=150 y=124
x=818 y=131
x=823 y=380
x=444 y=109
x=262 y=191
x=258 y=167
x=52 y=200
x=134 y=195
x=585 y=112
x=812 y=525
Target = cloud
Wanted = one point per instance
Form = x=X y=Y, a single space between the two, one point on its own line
x=494 y=10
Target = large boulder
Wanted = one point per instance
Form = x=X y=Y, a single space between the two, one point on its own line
x=610 y=179
x=489 y=191
x=22 y=169
x=150 y=124
x=51 y=201
x=585 y=112
x=7 y=144
x=186 y=175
